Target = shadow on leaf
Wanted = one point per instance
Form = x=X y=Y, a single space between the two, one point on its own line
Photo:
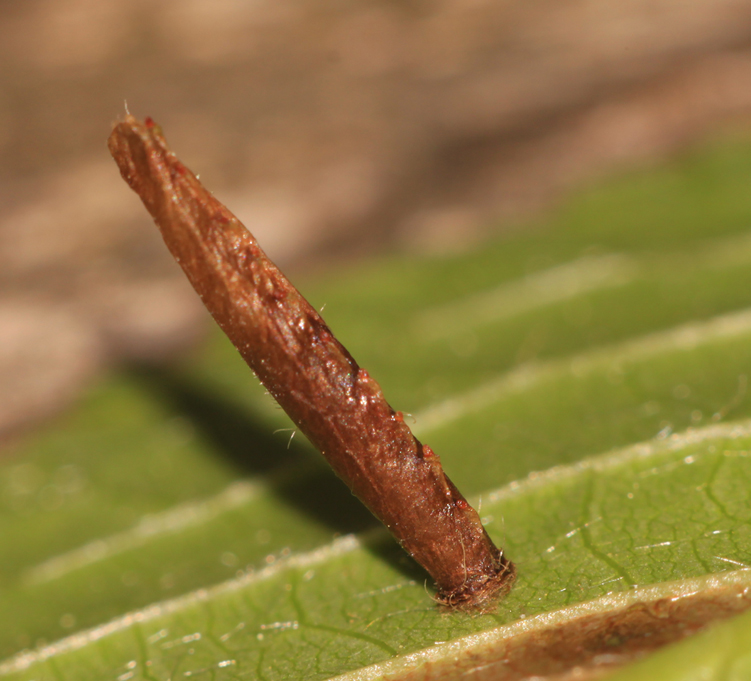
x=248 y=445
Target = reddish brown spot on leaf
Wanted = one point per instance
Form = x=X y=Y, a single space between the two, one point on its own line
x=588 y=647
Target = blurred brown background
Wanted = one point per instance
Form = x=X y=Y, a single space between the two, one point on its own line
x=332 y=129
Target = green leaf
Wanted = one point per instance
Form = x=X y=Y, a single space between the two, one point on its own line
x=585 y=380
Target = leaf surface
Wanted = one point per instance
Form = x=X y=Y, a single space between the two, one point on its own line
x=584 y=380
